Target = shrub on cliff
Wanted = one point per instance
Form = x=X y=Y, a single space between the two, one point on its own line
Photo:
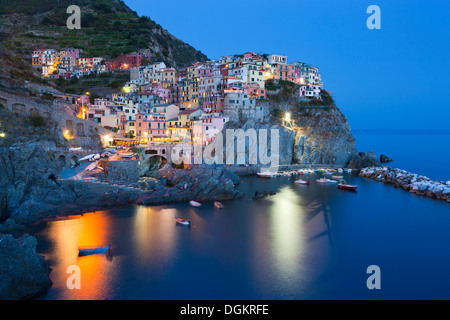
x=36 y=121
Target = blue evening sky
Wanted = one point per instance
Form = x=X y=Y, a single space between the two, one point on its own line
x=396 y=77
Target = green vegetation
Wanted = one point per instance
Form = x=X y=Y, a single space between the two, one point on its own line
x=36 y=121
x=108 y=29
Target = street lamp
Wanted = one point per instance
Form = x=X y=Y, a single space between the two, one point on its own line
x=287 y=116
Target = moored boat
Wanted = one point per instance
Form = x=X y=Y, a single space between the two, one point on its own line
x=265 y=175
x=183 y=221
x=300 y=181
x=344 y=186
x=323 y=180
x=195 y=203
x=93 y=250
x=218 y=205
x=336 y=177
x=125 y=154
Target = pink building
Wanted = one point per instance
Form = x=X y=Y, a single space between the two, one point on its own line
x=152 y=127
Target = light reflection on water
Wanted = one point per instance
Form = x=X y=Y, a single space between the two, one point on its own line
x=303 y=242
x=286 y=224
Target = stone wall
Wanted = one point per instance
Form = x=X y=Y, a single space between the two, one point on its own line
x=126 y=171
x=87 y=133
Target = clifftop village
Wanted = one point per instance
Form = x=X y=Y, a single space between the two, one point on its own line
x=161 y=104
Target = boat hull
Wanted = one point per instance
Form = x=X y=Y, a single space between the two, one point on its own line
x=182 y=221
x=347 y=187
x=195 y=204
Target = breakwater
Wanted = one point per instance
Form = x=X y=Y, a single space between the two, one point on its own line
x=412 y=182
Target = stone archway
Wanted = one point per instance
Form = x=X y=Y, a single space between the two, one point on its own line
x=19 y=108
x=62 y=160
x=74 y=159
x=157 y=161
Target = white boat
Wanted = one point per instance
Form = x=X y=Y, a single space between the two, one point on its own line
x=337 y=177
x=91 y=167
x=300 y=181
x=87 y=157
x=182 y=221
x=195 y=204
x=265 y=175
x=325 y=181
x=125 y=155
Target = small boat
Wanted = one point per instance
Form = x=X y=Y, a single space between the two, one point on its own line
x=301 y=182
x=218 y=205
x=336 y=177
x=182 y=221
x=265 y=175
x=344 y=186
x=323 y=180
x=93 y=250
x=125 y=155
x=195 y=203
x=86 y=158
x=91 y=167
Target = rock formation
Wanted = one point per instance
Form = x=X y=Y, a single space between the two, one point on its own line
x=23 y=273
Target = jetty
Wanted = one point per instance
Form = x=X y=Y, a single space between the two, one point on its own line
x=412 y=182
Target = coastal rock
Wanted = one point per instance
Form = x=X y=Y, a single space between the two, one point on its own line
x=23 y=273
x=369 y=159
x=260 y=194
x=317 y=137
x=419 y=185
x=31 y=211
x=202 y=182
x=384 y=158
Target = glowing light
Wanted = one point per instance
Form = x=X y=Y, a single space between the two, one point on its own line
x=2 y=135
x=287 y=116
x=67 y=135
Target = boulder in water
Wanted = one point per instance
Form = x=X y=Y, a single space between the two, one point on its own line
x=384 y=159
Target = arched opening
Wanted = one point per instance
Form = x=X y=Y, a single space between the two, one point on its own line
x=74 y=160
x=62 y=160
x=19 y=108
x=157 y=162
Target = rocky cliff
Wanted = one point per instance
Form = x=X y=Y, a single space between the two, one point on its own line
x=23 y=273
x=311 y=136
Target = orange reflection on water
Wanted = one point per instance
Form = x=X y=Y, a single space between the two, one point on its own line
x=69 y=235
x=155 y=233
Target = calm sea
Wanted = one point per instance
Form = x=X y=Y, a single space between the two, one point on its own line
x=305 y=242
